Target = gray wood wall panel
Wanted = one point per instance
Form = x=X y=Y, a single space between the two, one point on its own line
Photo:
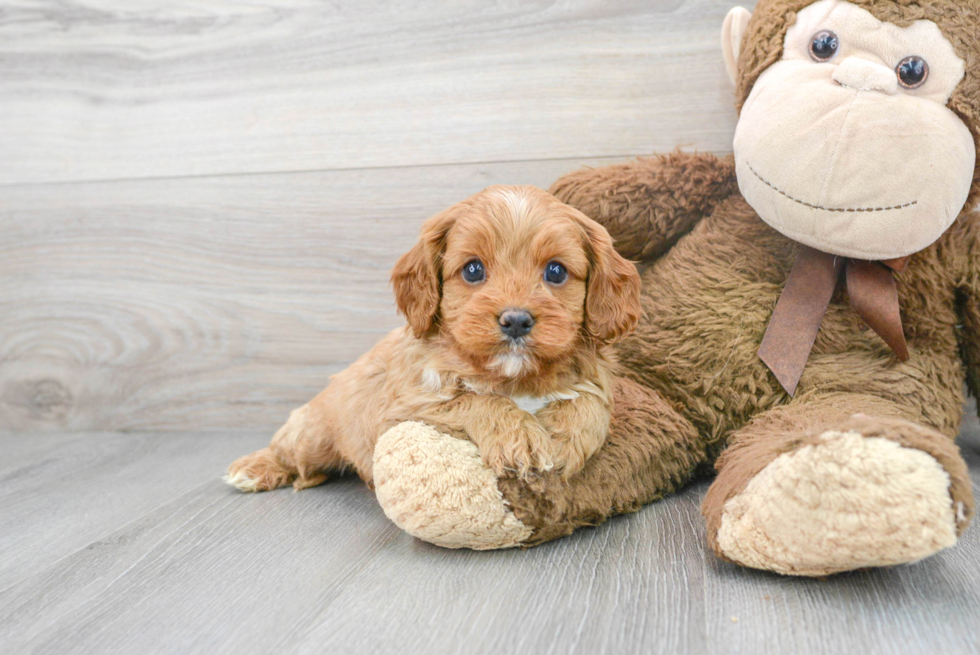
x=205 y=303
x=200 y=202
x=98 y=89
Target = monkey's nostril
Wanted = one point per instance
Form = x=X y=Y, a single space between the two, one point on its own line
x=516 y=322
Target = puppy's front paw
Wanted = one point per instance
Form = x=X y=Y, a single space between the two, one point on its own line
x=516 y=453
x=574 y=438
x=260 y=471
x=568 y=458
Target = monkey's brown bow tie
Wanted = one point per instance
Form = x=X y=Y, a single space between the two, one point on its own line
x=794 y=324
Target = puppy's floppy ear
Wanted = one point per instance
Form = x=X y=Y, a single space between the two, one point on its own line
x=417 y=277
x=612 y=301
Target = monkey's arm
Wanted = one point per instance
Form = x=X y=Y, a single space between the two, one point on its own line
x=648 y=204
x=966 y=241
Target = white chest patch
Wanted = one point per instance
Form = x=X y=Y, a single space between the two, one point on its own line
x=534 y=404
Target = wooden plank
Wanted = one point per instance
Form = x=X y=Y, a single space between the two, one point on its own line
x=211 y=570
x=631 y=586
x=323 y=570
x=60 y=492
x=110 y=89
x=205 y=303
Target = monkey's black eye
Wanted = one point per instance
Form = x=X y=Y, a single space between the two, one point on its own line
x=555 y=273
x=912 y=72
x=473 y=271
x=824 y=46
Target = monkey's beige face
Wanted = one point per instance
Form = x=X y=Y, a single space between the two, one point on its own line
x=846 y=144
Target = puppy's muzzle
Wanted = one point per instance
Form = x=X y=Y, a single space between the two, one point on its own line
x=515 y=323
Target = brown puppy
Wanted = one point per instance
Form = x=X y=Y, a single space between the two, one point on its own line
x=512 y=299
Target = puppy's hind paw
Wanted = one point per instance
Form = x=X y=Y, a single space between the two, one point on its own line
x=241 y=481
x=260 y=471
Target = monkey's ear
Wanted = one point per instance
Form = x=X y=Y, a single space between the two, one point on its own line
x=736 y=23
x=417 y=278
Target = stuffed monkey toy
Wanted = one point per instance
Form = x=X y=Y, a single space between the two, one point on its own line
x=811 y=310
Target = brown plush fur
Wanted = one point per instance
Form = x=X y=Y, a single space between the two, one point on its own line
x=714 y=273
x=455 y=369
x=693 y=356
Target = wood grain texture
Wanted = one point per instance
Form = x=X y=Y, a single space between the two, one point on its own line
x=110 y=89
x=60 y=492
x=205 y=303
x=201 y=296
x=212 y=570
x=631 y=586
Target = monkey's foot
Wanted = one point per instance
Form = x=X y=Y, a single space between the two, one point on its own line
x=844 y=501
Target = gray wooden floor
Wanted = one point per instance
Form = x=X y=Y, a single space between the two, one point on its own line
x=129 y=543
x=200 y=202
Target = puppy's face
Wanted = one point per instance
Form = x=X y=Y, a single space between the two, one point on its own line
x=518 y=280
x=514 y=274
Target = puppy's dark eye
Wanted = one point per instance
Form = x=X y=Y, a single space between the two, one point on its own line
x=824 y=46
x=473 y=271
x=555 y=273
x=912 y=72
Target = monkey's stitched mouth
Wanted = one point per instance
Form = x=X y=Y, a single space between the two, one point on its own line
x=828 y=209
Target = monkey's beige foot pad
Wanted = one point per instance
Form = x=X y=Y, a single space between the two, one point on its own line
x=847 y=503
x=436 y=487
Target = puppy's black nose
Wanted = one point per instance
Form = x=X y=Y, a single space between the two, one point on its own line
x=516 y=322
